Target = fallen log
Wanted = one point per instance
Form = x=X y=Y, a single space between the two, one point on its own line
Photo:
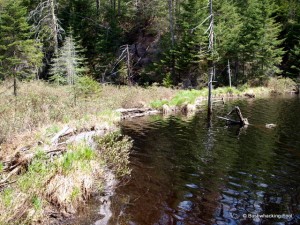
x=65 y=131
x=231 y=121
x=136 y=112
x=242 y=121
x=24 y=156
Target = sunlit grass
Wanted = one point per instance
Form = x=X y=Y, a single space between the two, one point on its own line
x=41 y=106
x=64 y=182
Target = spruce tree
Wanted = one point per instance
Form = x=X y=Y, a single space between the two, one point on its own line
x=288 y=15
x=192 y=43
x=293 y=70
x=259 y=42
x=20 y=56
x=228 y=26
x=69 y=64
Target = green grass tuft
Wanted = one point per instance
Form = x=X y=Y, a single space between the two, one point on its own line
x=115 y=152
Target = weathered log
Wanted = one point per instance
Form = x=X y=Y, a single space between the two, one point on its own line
x=242 y=121
x=25 y=155
x=231 y=121
x=136 y=112
x=220 y=100
x=65 y=131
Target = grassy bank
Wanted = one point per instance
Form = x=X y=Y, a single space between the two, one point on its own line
x=50 y=186
x=41 y=109
x=271 y=87
x=58 y=186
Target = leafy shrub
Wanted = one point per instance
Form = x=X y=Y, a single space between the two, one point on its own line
x=86 y=86
x=167 y=81
x=281 y=85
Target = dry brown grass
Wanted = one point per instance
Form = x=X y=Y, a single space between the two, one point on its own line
x=41 y=108
x=61 y=185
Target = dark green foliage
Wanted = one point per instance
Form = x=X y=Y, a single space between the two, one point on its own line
x=257 y=37
x=289 y=16
x=259 y=44
x=294 y=62
x=86 y=86
x=20 y=55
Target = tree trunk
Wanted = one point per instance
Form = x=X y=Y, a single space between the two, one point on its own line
x=54 y=26
x=98 y=6
x=210 y=87
x=128 y=65
x=211 y=49
x=171 y=20
x=119 y=7
x=229 y=74
x=15 y=85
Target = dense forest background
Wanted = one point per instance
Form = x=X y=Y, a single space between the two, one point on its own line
x=148 y=41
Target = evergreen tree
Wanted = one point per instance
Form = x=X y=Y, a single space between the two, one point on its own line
x=228 y=26
x=288 y=15
x=69 y=64
x=259 y=43
x=294 y=62
x=20 y=56
x=189 y=47
x=192 y=42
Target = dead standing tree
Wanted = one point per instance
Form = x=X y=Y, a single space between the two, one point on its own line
x=126 y=57
x=172 y=33
x=46 y=23
x=211 y=51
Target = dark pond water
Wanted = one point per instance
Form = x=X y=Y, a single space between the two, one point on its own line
x=186 y=173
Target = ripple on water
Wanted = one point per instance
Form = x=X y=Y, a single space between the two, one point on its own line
x=186 y=205
x=195 y=175
x=193 y=186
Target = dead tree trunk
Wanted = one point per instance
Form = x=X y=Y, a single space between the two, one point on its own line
x=243 y=121
x=211 y=49
x=128 y=65
x=98 y=7
x=229 y=73
x=171 y=21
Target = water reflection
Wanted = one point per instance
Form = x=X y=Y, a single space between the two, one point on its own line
x=191 y=174
x=186 y=173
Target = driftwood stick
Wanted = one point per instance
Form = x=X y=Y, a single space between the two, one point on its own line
x=229 y=120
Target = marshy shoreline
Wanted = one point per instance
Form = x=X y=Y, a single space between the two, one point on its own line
x=75 y=149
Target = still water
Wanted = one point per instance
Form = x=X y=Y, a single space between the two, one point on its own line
x=186 y=173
